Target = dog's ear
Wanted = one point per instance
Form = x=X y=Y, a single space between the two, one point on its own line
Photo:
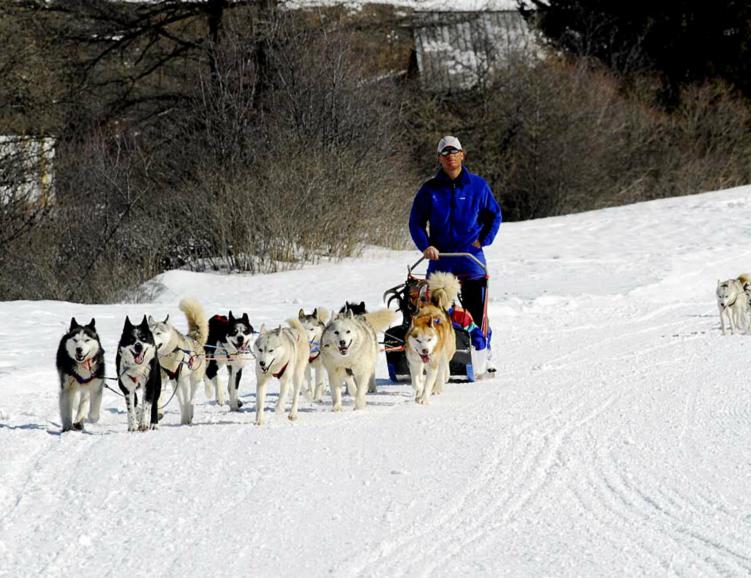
x=92 y=324
x=263 y=327
x=350 y=314
x=246 y=320
x=166 y=319
x=301 y=313
x=231 y=317
x=128 y=324
x=73 y=324
x=151 y=320
x=430 y=322
x=144 y=322
x=362 y=305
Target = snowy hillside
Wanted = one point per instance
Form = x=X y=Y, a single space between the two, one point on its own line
x=614 y=441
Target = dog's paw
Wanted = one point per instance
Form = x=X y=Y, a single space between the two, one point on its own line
x=78 y=426
x=337 y=407
x=239 y=404
x=259 y=422
x=292 y=417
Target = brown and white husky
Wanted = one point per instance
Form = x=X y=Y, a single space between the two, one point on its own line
x=430 y=342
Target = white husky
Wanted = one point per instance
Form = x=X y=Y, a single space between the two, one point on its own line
x=314 y=324
x=182 y=357
x=733 y=303
x=282 y=353
x=350 y=349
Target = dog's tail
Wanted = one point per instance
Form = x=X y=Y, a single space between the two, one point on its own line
x=444 y=289
x=744 y=279
x=380 y=320
x=323 y=314
x=198 y=323
x=297 y=326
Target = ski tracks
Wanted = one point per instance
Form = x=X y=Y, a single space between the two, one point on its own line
x=518 y=469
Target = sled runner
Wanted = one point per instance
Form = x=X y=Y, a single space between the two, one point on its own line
x=409 y=296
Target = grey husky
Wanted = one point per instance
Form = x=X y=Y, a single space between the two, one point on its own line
x=314 y=324
x=733 y=303
x=182 y=357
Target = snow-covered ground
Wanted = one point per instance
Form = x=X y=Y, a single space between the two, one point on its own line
x=614 y=441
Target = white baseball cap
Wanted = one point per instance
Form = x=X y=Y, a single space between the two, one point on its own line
x=449 y=141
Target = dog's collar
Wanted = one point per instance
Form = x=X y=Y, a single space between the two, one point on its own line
x=281 y=371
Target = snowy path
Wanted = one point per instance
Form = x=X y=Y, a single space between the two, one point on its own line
x=614 y=441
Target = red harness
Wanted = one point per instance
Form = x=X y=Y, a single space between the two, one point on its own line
x=82 y=380
x=281 y=371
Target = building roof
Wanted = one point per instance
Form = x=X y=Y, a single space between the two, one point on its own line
x=456 y=50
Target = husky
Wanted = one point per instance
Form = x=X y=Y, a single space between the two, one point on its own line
x=228 y=344
x=80 y=366
x=138 y=368
x=745 y=280
x=430 y=341
x=281 y=353
x=733 y=303
x=350 y=350
x=182 y=357
x=355 y=308
x=314 y=325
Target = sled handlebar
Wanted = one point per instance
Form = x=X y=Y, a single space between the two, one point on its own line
x=468 y=255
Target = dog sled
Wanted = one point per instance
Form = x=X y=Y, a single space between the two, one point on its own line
x=467 y=362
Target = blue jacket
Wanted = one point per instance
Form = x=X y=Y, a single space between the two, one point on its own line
x=451 y=215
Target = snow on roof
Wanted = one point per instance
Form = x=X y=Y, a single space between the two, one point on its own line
x=456 y=50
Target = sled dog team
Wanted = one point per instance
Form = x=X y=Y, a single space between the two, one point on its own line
x=154 y=354
x=733 y=299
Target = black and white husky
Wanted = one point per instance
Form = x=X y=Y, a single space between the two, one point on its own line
x=228 y=344
x=355 y=308
x=138 y=368
x=80 y=365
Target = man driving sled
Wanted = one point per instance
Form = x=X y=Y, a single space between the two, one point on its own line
x=456 y=212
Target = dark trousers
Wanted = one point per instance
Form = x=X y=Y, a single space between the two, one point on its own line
x=472 y=297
